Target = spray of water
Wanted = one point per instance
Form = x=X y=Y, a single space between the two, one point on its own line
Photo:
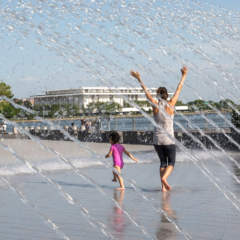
x=28 y=18
x=205 y=171
x=67 y=196
x=70 y=200
x=47 y=220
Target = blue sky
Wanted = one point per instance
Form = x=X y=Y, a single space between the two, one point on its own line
x=230 y=4
x=58 y=44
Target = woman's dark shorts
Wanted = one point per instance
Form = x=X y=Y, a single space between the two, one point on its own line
x=166 y=154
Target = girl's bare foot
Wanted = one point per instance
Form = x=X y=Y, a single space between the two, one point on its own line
x=120 y=188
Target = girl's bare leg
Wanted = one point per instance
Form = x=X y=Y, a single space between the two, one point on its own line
x=119 y=178
x=114 y=177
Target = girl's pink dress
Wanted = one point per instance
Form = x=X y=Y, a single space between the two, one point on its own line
x=117 y=150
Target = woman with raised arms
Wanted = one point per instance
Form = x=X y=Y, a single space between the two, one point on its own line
x=163 y=138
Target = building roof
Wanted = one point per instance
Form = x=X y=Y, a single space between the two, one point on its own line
x=94 y=91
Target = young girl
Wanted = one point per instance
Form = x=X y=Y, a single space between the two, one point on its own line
x=116 y=151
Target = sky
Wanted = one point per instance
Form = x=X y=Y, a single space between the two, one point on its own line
x=52 y=45
x=229 y=4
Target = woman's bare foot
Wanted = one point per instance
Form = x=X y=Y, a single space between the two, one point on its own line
x=120 y=188
x=164 y=189
x=166 y=185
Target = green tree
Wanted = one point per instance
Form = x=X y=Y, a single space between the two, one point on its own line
x=5 y=107
x=5 y=90
x=95 y=107
x=235 y=119
x=27 y=104
x=75 y=110
x=143 y=103
x=227 y=104
x=112 y=107
x=126 y=104
x=101 y=107
x=180 y=103
x=8 y=110
x=198 y=105
x=18 y=101
x=54 y=109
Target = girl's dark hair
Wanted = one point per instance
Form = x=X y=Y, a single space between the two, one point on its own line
x=163 y=92
x=114 y=136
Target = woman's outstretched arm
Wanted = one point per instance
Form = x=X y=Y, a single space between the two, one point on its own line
x=174 y=99
x=147 y=93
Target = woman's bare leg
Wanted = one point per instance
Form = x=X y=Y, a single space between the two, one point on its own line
x=166 y=174
x=162 y=170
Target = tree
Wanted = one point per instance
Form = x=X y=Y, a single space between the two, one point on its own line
x=5 y=90
x=235 y=119
x=198 y=105
x=5 y=107
x=101 y=107
x=143 y=104
x=54 y=109
x=18 y=101
x=112 y=107
x=27 y=104
x=179 y=103
x=75 y=110
x=8 y=110
x=227 y=104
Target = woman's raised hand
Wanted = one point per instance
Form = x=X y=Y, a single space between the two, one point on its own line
x=136 y=75
x=184 y=70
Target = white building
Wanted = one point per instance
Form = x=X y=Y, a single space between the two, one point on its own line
x=85 y=95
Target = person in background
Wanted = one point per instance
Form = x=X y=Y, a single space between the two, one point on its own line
x=70 y=129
